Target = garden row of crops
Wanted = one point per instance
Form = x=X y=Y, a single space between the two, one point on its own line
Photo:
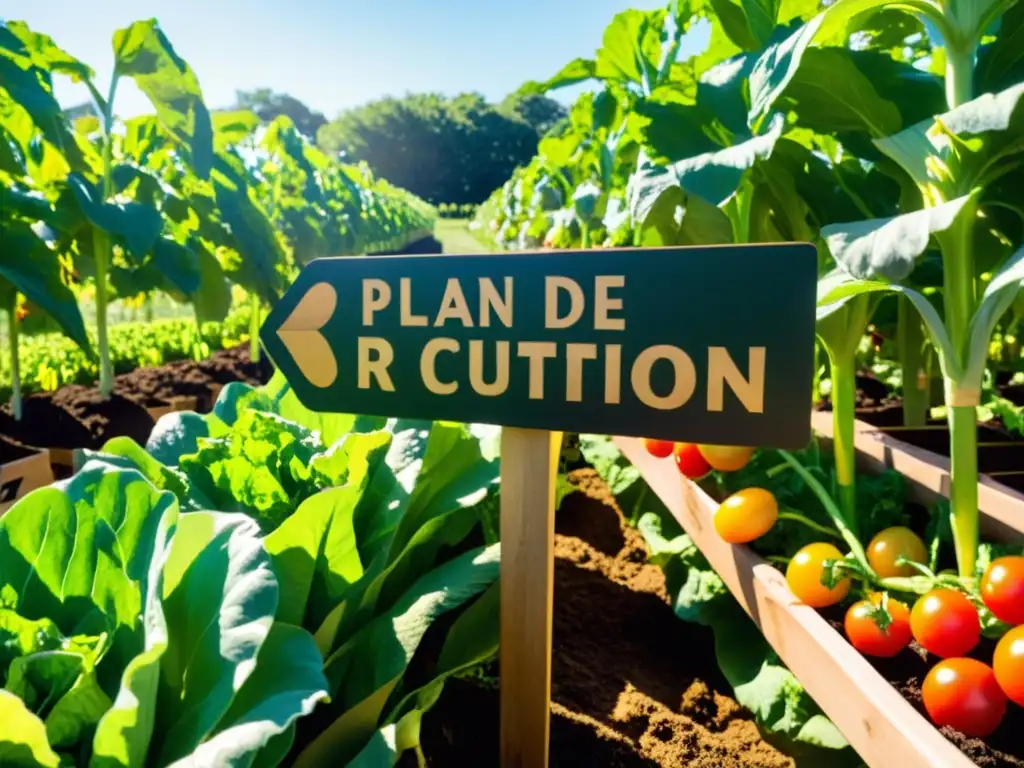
x=185 y=201
x=890 y=135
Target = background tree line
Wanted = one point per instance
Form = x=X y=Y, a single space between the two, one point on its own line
x=444 y=149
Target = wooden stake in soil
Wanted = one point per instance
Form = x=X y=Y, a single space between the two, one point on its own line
x=529 y=464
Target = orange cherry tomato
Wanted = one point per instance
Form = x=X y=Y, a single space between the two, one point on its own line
x=804 y=572
x=726 y=458
x=1008 y=663
x=963 y=694
x=746 y=515
x=1002 y=589
x=891 y=544
x=864 y=633
x=945 y=623
x=690 y=461
x=658 y=448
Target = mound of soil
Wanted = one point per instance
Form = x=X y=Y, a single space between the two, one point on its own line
x=632 y=685
x=79 y=417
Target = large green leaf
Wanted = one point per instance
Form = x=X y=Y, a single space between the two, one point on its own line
x=144 y=53
x=212 y=297
x=259 y=250
x=287 y=684
x=373 y=661
x=964 y=148
x=23 y=736
x=889 y=248
x=26 y=62
x=84 y=543
x=33 y=270
x=220 y=596
x=576 y=71
x=1000 y=294
x=780 y=62
x=231 y=127
x=1001 y=62
x=136 y=225
x=631 y=48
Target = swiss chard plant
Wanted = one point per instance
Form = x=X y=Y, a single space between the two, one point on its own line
x=375 y=529
x=108 y=592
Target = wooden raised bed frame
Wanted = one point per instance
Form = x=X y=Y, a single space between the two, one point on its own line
x=1002 y=507
x=22 y=475
x=879 y=723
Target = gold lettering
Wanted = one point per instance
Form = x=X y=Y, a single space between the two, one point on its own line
x=376 y=367
x=685 y=377
x=722 y=370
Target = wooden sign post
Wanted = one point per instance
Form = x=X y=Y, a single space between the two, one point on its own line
x=704 y=344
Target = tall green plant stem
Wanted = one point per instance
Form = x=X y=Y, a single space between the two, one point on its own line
x=844 y=404
x=959 y=300
x=254 y=328
x=910 y=340
x=12 y=340
x=101 y=248
x=840 y=333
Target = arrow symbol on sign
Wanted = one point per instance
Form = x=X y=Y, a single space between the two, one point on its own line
x=300 y=334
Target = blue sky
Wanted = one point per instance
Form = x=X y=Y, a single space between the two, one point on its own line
x=334 y=54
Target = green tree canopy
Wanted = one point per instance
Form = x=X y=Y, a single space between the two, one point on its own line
x=540 y=111
x=267 y=105
x=446 y=150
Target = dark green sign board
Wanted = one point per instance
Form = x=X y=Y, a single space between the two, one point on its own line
x=702 y=344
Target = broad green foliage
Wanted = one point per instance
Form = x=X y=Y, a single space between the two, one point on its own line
x=368 y=525
x=182 y=202
x=107 y=591
x=887 y=134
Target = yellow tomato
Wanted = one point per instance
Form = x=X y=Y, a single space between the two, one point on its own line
x=726 y=458
x=746 y=515
x=804 y=572
x=891 y=544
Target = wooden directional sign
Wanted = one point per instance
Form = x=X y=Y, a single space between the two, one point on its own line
x=711 y=345
x=708 y=344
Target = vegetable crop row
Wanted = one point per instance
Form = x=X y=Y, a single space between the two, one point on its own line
x=183 y=201
x=891 y=135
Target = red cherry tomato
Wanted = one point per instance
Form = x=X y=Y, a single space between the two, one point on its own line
x=1008 y=663
x=863 y=631
x=1002 y=589
x=690 y=461
x=964 y=694
x=658 y=448
x=945 y=623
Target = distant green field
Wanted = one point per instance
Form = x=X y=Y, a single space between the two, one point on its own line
x=456 y=237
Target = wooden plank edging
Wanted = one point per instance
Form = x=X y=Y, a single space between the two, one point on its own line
x=879 y=723
x=1002 y=508
x=23 y=475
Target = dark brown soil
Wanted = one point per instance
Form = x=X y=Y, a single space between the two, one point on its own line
x=12 y=451
x=632 y=685
x=906 y=672
x=76 y=417
x=197 y=379
x=79 y=417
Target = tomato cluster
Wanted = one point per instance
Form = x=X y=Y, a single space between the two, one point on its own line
x=959 y=691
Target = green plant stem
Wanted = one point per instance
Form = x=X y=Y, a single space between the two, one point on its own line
x=12 y=340
x=101 y=248
x=832 y=510
x=844 y=403
x=959 y=301
x=963 y=436
x=798 y=518
x=586 y=236
x=910 y=339
x=960 y=73
x=254 y=329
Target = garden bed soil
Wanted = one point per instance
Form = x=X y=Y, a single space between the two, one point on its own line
x=79 y=417
x=632 y=685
